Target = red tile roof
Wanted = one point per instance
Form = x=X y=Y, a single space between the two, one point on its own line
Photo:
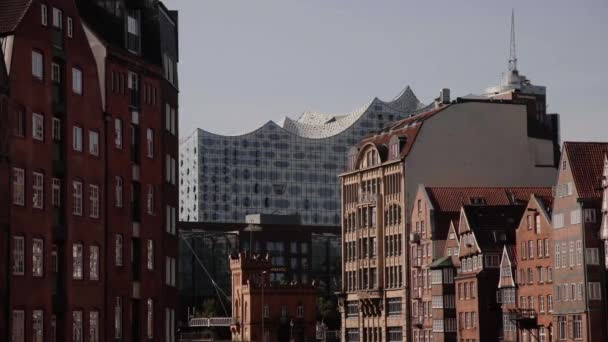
x=587 y=163
x=11 y=13
x=451 y=199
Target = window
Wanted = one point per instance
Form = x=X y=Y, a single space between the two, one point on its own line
x=94 y=326
x=300 y=311
x=150 y=254
x=56 y=193
x=77 y=267
x=170 y=119
x=20 y=123
x=18 y=255
x=150 y=199
x=37 y=65
x=118 y=192
x=438 y=325
x=150 y=318
x=170 y=220
x=558 y=221
x=57 y=18
x=595 y=291
x=37 y=127
x=539 y=248
x=577 y=326
x=94 y=201
x=118 y=250
x=393 y=306
x=150 y=142
x=549 y=274
x=546 y=241
x=550 y=303
x=579 y=252
x=593 y=256
x=18 y=326
x=77 y=138
x=118 y=318
x=77 y=81
x=55 y=73
x=170 y=271
x=530 y=249
x=56 y=129
x=37 y=257
x=94 y=143
x=170 y=324
x=541 y=303
x=118 y=133
x=37 y=325
x=133 y=31
x=77 y=198
x=18 y=186
x=589 y=215
x=38 y=190
x=44 y=15
x=94 y=262
x=70 y=27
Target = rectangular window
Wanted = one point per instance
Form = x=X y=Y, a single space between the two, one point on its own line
x=118 y=133
x=56 y=129
x=70 y=27
x=150 y=319
x=595 y=291
x=18 y=186
x=94 y=262
x=118 y=191
x=18 y=255
x=118 y=318
x=77 y=198
x=37 y=190
x=37 y=127
x=94 y=143
x=118 y=250
x=44 y=15
x=77 y=138
x=37 y=257
x=18 y=330
x=539 y=248
x=94 y=326
x=77 y=81
x=150 y=199
x=20 y=123
x=589 y=215
x=55 y=73
x=57 y=18
x=77 y=266
x=94 y=201
x=77 y=329
x=150 y=142
x=150 y=254
x=56 y=193
x=593 y=256
x=546 y=242
x=558 y=221
x=550 y=303
x=562 y=328
x=577 y=327
x=37 y=65
x=37 y=325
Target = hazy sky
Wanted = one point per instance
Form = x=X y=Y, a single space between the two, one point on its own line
x=243 y=63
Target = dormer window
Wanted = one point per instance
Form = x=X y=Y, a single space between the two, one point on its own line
x=394 y=150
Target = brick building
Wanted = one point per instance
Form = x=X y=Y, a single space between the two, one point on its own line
x=379 y=187
x=579 y=273
x=73 y=233
x=283 y=312
x=525 y=287
x=434 y=250
x=605 y=210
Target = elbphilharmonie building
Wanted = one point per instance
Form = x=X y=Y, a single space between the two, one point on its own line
x=289 y=167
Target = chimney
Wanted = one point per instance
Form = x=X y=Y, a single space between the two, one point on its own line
x=444 y=96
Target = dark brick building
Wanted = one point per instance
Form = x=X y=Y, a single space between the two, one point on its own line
x=91 y=257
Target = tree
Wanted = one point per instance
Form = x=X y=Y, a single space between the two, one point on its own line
x=328 y=311
x=210 y=308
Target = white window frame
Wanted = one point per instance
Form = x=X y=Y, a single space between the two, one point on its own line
x=94 y=143
x=93 y=201
x=77 y=261
x=118 y=318
x=56 y=129
x=150 y=255
x=118 y=138
x=77 y=81
x=37 y=190
x=94 y=262
x=150 y=199
x=77 y=326
x=56 y=193
x=70 y=24
x=55 y=72
x=119 y=191
x=150 y=142
x=37 y=126
x=37 y=65
x=150 y=318
x=37 y=258
x=44 y=15
x=77 y=138
x=57 y=18
x=77 y=198
x=37 y=326
x=18 y=255
x=119 y=250
x=18 y=186
x=18 y=326
x=93 y=326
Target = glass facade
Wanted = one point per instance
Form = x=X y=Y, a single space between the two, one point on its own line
x=279 y=169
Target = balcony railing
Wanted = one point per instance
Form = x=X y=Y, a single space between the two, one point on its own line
x=368 y=198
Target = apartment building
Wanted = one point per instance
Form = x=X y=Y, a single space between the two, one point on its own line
x=484 y=232
x=434 y=250
x=579 y=278
x=605 y=209
x=86 y=258
x=525 y=287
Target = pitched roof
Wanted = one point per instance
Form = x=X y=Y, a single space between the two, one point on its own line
x=587 y=163
x=451 y=199
x=494 y=225
x=11 y=13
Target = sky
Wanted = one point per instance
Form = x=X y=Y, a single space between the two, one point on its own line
x=243 y=62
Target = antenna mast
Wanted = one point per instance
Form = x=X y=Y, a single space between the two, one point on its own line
x=513 y=54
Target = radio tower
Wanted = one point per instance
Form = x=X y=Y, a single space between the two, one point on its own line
x=513 y=54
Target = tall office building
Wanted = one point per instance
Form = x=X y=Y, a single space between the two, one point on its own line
x=89 y=253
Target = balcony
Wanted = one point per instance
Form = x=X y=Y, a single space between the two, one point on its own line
x=524 y=318
x=415 y=237
x=418 y=321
